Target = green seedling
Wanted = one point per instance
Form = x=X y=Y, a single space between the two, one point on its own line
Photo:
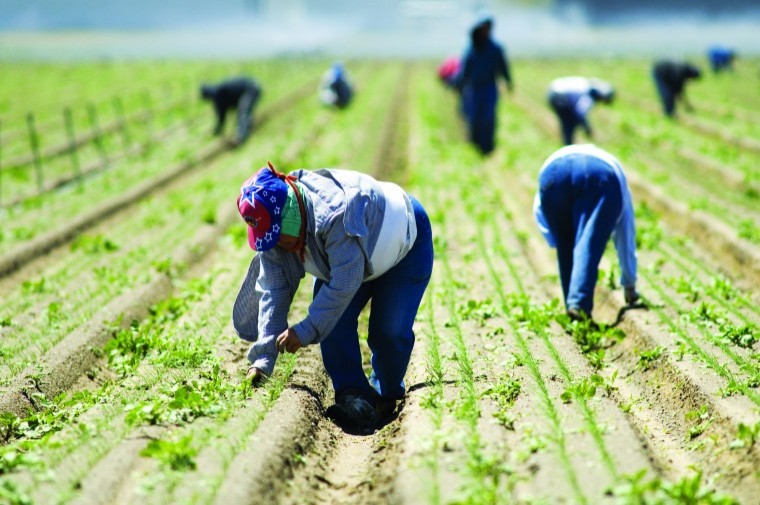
x=743 y=336
x=649 y=231
x=584 y=388
x=478 y=310
x=10 y=494
x=177 y=455
x=686 y=287
x=34 y=286
x=703 y=418
x=749 y=230
x=505 y=393
x=94 y=244
x=637 y=490
x=746 y=436
x=647 y=358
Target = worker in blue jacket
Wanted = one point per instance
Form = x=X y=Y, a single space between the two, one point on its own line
x=240 y=94
x=582 y=200
x=482 y=64
x=572 y=98
x=721 y=58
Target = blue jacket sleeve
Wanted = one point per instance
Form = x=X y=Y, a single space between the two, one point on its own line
x=624 y=236
x=543 y=227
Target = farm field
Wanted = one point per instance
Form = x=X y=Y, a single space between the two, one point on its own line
x=121 y=253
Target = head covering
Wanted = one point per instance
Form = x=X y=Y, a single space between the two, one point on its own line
x=482 y=17
x=337 y=70
x=261 y=204
x=601 y=90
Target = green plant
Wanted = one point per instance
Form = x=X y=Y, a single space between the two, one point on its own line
x=647 y=358
x=94 y=244
x=10 y=494
x=703 y=418
x=746 y=436
x=636 y=489
x=749 y=230
x=178 y=454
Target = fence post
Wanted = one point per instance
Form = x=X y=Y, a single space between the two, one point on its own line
x=98 y=136
x=72 y=142
x=119 y=108
x=34 y=141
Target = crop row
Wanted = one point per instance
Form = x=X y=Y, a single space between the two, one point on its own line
x=508 y=400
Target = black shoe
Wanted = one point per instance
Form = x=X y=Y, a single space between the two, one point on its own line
x=353 y=412
x=385 y=410
x=580 y=315
x=576 y=314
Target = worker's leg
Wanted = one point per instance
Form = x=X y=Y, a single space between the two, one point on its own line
x=396 y=297
x=596 y=208
x=340 y=349
x=555 y=188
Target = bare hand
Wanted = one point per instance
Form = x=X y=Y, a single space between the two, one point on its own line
x=288 y=341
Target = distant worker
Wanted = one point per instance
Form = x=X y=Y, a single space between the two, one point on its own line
x=483 y=62
x=670 y=78
x=572 y=98
x=448 y=71
x=241 y=94
x=335 y=89
x=582 y=200
x=721 y=58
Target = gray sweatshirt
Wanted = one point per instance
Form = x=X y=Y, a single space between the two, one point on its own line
x=344 y=212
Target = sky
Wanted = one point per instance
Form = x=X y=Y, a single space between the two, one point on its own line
x=86 y=29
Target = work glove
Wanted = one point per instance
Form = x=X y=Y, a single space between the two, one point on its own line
x=630 y=294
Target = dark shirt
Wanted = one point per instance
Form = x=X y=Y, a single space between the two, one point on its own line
x=674 y=74
x=482 y=65
x=227 y=94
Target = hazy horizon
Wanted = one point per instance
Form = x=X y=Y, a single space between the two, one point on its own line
x=413 y=28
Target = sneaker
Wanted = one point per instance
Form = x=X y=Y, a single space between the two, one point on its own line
x=353 y=412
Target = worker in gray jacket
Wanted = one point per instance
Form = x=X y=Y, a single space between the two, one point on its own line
x=361 y=239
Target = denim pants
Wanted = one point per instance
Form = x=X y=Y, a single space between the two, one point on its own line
x=667 y=97
x=244 y=109
x=480 y=110
x=582 y=200
x=396 y=297
x=568 y=117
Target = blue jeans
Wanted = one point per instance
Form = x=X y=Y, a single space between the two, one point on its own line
x=396 y=297
x=582 y=200
x=479 y=103
x=569 y=119
x=667 y=97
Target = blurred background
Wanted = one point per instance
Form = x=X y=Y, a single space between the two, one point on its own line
x=87 y=29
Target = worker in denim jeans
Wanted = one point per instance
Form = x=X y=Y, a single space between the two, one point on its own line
x=240 y=94
x=362 y=240
x=572 y=98
x=483 y=63
x=582 y=200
